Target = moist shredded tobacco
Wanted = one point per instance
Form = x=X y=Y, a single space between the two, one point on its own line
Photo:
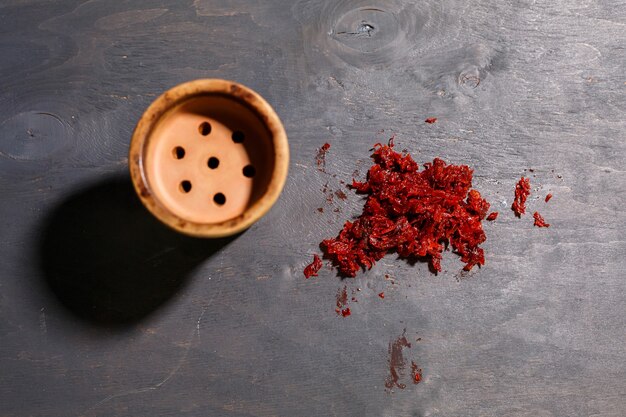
x=539 y=221
x=522 y=191
x=417 y=214
x=313 y=267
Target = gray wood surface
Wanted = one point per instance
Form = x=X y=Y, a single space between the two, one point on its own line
x=104 y=312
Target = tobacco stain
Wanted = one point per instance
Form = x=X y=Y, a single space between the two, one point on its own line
x=396 y=361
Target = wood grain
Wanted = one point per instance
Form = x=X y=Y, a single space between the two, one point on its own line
x=103 y=313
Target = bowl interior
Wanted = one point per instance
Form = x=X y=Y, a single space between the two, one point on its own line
x=208 y=159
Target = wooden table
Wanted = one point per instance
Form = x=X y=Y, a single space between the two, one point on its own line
x=104 y=312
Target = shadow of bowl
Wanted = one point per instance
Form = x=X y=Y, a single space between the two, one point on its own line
x=110 y=262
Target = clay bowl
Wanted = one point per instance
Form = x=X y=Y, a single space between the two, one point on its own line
x=209 y=158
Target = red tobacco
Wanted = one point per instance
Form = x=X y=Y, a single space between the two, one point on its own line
x=522 y=191
x=431 y=120
x=414 y=213
x=539 y=221
x=492 y=216
x=320 y=159
x=313 y=267
x=417 y=373
x=548 y=197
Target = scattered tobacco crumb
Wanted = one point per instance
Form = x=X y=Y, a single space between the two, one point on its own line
x=492 y=216
x=431 y=120
x=539 y=221
x=522 y=191
x=396 y=361
x=342 y=301
x=320 y=209
x=381 y=294
x=416 y=373
x=313 y=267
x=320 y=158
x=340 y=194
x=414 y=213
x=548 y=197
x=342 y=297
x=330 y=194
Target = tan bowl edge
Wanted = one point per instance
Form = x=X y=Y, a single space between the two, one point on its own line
x=172 y=98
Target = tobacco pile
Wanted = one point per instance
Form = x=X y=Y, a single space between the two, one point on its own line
x=415 y=213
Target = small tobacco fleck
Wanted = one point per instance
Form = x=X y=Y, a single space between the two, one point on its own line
x=492 y=216
x=312 y=269
x=548 y=197
x=416 y=372
x=431 y=120
x=539 y=221
x=320 y=159
x=340 y=194
x=522 y=191
x=381 y=294
x=342 y=297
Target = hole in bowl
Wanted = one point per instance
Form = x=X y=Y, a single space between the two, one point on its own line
x=178 y=152
x=219 y=199
x=228 y=119
x=204 y=128
x=249 y=171
x=213 y=162
x=185 y=186
x=238 y=136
